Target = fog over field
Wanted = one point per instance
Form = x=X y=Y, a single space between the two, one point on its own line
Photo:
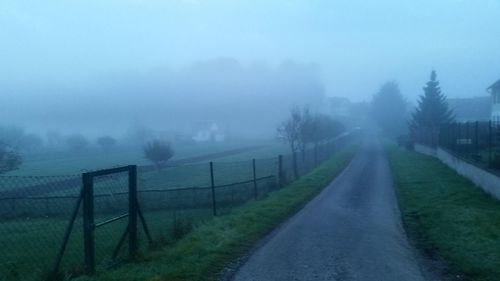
x=102 y=67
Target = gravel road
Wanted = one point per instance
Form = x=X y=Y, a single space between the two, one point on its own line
x=350 y=231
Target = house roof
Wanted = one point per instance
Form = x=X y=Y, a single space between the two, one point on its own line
x=495 y=86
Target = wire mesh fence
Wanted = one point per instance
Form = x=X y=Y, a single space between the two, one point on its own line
x=38 y=213
x=34 y=213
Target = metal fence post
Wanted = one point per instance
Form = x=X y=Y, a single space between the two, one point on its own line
x=490 y=144
x=459 y=136
x=280 y=171
x=476 y=138
x=132 y=211
x=88 y=223
x=315 y=155
x=468 y=137
x=212 y=183
x=295 y=168
x=255 y=193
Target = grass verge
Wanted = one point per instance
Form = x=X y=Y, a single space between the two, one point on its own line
x=447 y=215
x=203 y=254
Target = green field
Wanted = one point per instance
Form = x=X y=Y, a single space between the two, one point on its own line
x=54 y=171
x=65 y=163
x=447 y=215
x=30 y=237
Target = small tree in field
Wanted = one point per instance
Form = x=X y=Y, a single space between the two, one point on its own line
x=158 y=152
x=106 y=142
x=9 y=159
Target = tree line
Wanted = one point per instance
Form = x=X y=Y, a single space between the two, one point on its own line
x=390 y=110
x=15 y=142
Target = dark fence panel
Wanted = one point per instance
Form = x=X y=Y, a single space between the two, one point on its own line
x=476 y=142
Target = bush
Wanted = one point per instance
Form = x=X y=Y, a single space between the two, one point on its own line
x=158 y=152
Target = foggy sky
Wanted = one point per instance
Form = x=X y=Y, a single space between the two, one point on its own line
x=357 y=43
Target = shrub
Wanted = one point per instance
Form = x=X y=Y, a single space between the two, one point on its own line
x=158 y=152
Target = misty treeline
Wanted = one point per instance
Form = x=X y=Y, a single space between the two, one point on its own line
x=244 y=100
x=304 y=128
x=392 y=111
x=21 y=140
x=16 y=142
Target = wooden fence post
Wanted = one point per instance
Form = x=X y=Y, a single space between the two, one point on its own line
x=255 y=193
x=280 y=171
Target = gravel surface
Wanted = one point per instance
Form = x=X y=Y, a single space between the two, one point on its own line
x=350 y=231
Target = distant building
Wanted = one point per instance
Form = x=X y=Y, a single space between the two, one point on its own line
x=471 y=109
x=208 y=131
x=494 y=90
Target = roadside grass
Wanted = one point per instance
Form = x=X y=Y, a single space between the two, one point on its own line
x=205 y=251
x=447 y=214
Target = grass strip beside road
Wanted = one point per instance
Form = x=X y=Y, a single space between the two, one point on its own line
x=447 y=214
x=203 y=253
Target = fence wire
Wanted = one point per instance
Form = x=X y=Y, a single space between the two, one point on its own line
x=35 y=212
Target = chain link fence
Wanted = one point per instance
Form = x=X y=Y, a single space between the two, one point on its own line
x=37 y=214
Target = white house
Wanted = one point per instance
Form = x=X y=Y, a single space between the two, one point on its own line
x=494 y=90
x=208 y=131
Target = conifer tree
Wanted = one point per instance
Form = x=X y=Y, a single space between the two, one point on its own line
x=432 y=109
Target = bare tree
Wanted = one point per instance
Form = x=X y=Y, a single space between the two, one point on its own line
x=158 y=152
x=303 y=128
x=290 y=132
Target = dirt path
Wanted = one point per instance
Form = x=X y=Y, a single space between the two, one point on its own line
x=351 y=231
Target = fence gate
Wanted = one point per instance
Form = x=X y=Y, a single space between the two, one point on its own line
x=90 y=226
x=94 y=180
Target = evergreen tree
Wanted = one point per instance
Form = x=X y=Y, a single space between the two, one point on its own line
x=432 y=109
